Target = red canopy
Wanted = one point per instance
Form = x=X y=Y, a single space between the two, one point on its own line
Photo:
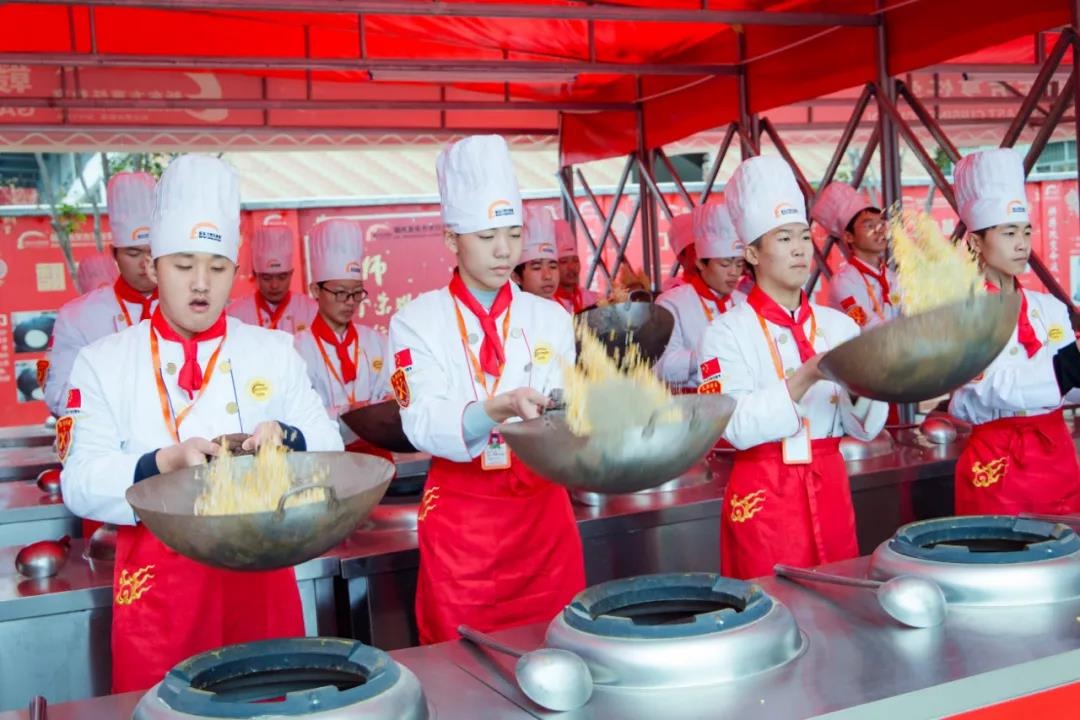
x=295 y=71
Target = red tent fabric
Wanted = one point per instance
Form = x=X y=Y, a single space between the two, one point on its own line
x=427 y=72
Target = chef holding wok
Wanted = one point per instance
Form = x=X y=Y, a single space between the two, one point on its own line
x=148 y=399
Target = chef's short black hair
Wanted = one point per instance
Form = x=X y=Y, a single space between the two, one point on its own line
x=851 y=225
x=520 y=270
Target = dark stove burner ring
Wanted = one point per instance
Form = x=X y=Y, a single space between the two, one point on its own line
x=990 y=539
x=667 y=606
x=248 y=680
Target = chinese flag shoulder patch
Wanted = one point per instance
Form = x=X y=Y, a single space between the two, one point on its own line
x=74 y=399
x=400 y=384
x=403 y=358
x=710 y=368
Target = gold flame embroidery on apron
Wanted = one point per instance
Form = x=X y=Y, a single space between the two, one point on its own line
x=427 y=502
x=990 y=473
x=745 y=507
x=133 y=586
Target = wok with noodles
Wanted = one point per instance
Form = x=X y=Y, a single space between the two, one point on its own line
x=264 y=511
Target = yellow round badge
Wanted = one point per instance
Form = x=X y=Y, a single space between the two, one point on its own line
x=543 y=353
x=1056 y=333
x=377 y=364
x=259 y=389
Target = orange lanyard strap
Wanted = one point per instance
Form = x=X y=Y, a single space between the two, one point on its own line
x=478 y=372
x=879 y=310
x=123 y=307
x=349 y=394
x=272 y=318
x=172 y=424
x=774 y=351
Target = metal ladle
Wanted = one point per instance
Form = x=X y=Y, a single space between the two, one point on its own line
x=910 y=600
x=554 y=679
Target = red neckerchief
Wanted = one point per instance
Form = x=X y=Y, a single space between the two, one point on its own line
x=574 y=298
x=492 y=354
x=881 y=275
x=323 y=332
x=274 y=315
x=1025 y=333
x=769 y=309
x=707 y=293
x=191 y=376
x=129 y=294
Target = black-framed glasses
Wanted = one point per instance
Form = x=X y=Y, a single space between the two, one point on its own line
x=344 y=296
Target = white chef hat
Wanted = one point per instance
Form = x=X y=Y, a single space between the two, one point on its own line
x=477 y=186
x=539 y=236
x=96 y=271
x=837 y=205
x=714 y=234
x=762 y=195
x=990 y=189
x=681 y=232
x=196 y=209
x=272 y=249
x=337 y=250
x=131 y=205
x=565 y=242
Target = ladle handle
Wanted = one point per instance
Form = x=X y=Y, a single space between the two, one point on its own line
x=794 y=573
x=480 y=638
x=38 y=708
x=331 y=496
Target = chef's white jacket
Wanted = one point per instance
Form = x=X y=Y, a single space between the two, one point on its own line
x=1014 y=384
x=295 y=319
x=428 y=349
x=80 y=322
x=678 y=365
x=765 y=411
x=118 y=415
x=855 y=294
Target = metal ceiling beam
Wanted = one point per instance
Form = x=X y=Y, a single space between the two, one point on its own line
x=521 y=10
x=301 y=104
x=233 y=130
x=942 y=101
x=499 y=69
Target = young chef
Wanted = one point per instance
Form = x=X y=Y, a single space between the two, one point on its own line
x=1020 y=457
x=788 y=498
x=570 y=293
x=681 y=237
x=272 y=305
x=106 y=310
x=710 y=292
x=149 y=399
x=537 y=271
x=498 y=544
x=864 y=287
x=96 y=271
x=347 y=362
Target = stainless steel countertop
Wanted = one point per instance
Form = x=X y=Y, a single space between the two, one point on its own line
x=24 y=463
x=854 y=656
x=23 y=501
x=26 y=436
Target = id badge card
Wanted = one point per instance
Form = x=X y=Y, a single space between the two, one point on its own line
x=796 y=449
x=496 y=455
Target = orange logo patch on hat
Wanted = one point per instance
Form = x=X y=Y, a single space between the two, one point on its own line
x=1016 y=207
x=354 y=268
x=784 y=210
x=400 y=384
x=273 y=264
x=206 y=231
x=500 y=208
x=141 y=234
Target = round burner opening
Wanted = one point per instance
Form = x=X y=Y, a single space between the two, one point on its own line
x=237 y=682
x=989 y=539
x=667 y=606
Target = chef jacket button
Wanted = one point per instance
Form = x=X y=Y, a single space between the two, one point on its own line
x=1021 y=413
x=528 y=367
x=789 y=372
x=1014 y=350
x=1034 y=313
x=515 y=332
x=472 y=338
x=231 y=408
x=834 y=399
x=782 y=339
x=171 y=368
x=820 y=332
x=226 y=367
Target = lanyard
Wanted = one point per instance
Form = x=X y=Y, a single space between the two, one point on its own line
x=273 y=318
x=774 y=351
x=705 y=306
x=349 y=394
x=478 y=371
x=123 y=308
x=878 y=309
x=172 y=424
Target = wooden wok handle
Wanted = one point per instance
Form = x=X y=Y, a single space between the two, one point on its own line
x=331 y=496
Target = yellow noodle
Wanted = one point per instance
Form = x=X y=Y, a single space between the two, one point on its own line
x=931 y=270
x=227 y=491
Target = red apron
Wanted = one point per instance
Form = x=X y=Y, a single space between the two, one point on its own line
x=362 y=446
x=167 y=608
x=498 y=548
x=796 y=514
x=1019 y=464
